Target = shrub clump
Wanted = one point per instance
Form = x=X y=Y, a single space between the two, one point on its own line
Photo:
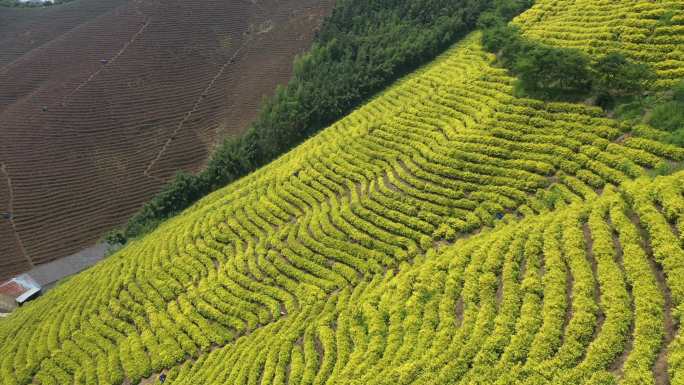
x=555 y=73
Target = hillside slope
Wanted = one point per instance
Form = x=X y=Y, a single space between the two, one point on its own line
x=102 y=102
x=445 y=232
x=574 y=296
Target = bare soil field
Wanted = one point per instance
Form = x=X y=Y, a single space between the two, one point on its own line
x=103 y=101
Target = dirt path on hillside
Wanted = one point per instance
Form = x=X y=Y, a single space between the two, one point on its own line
x=10 y=209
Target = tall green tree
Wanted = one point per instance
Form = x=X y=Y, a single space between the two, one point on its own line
x=554 y=72
x=615 y=75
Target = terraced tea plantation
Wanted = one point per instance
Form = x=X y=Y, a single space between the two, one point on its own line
x=447 y=232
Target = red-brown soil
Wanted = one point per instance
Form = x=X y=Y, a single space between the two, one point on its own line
x=103 y=101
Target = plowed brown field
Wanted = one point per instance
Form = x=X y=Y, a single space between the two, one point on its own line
x=103 y=101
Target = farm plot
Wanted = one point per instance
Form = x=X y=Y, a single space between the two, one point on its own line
x=98 y=117
x=334 y=265
x=574 y=296
x=22 y=29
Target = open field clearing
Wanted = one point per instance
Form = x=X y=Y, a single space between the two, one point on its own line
x=102 y=102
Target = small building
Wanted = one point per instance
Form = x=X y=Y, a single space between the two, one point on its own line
x=21 y=288
x=35 y=2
